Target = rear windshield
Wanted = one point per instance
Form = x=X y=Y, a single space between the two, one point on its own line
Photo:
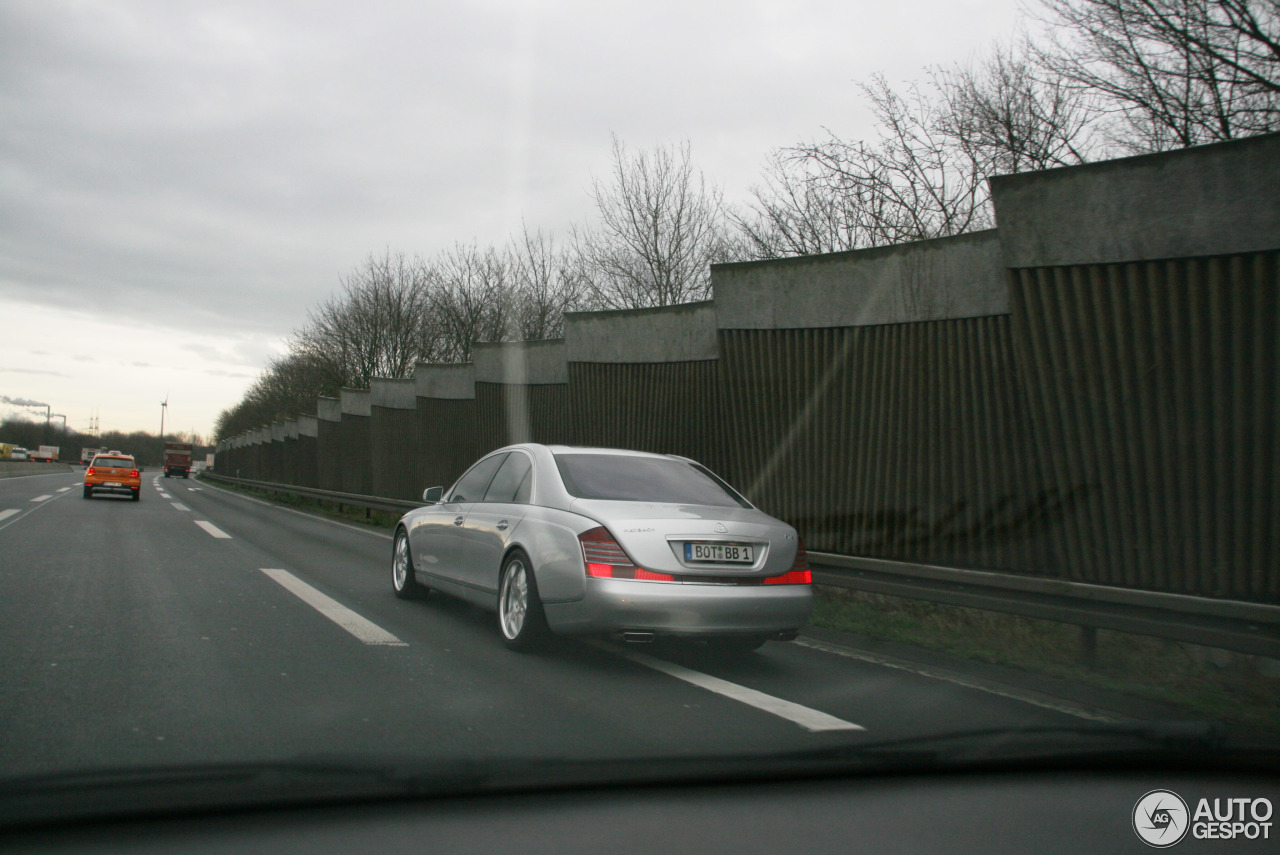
x=114 y=462
x=626 y=478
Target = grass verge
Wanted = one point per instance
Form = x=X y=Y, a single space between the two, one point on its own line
x=1206 y=682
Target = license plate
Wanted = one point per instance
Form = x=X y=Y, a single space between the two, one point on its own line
x=111 y=484
x=719 y=553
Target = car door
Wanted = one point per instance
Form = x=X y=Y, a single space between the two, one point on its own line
x=490 y=523
x=436 y=534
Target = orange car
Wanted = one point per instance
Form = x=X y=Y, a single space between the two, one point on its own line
x=113 y=472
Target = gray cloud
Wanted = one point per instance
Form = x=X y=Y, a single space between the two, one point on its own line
x=217 y=167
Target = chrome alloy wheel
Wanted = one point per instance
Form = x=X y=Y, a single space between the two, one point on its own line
x=513 y=599
x=400 y=562
x=403 y=581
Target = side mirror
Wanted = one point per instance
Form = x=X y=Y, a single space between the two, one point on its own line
x=432 y=495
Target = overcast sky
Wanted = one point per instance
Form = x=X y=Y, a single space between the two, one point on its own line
x=180 y=182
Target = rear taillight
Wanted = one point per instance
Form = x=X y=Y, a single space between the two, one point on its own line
x=605 y=559
x=799 y=574
x=90 y=471
x=133 y=474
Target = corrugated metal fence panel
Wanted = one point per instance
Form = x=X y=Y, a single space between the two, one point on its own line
x=328 y=455
x=355 y=455
x=394 y=436
x=447 y=441
x=273 y=461
x=903 y=441
x=306 y=456
x=252 y=461
x=1155 y=390
x=289 y=461
x=508 y=413
x=670 y=408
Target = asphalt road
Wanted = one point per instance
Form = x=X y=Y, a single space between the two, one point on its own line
x=199 y=625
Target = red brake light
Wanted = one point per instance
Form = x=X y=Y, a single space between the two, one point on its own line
x=133 y=474
x=90 y=471
x=605 y=559
x=799 y=574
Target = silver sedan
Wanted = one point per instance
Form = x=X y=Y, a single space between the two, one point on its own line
x=580 y=541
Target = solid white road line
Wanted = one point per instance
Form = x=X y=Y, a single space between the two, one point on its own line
x=4 y=515
x=809 y=719
x=366 y=631
x=181 y=507
x=939 y=674
x=212 y=529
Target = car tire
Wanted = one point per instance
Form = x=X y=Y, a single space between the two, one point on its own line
x=403 y=582
x=520 y=617
x=137 y=494
x=88 y=492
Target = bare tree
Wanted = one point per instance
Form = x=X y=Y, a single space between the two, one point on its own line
x=794 y=212
x=917 y=180
x=1013 y=115
x=543 y=287
x=469 y=299
x=660 y=227
x=1171 y=73
x=380 y=325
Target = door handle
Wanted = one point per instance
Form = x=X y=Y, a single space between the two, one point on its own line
x=502 y=526
x=457 y=521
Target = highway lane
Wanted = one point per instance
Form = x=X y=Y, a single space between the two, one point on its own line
x=131 y=634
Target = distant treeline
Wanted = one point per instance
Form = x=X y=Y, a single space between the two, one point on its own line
x=146 y=448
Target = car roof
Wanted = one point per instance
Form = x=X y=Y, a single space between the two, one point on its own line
x=589 y=449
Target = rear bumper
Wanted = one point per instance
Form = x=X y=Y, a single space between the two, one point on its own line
x=124 y=489
x=677 y=609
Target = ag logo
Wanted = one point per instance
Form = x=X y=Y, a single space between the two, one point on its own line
x=1160 y=818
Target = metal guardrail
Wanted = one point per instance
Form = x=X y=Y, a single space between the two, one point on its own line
x=1251 y=628
x=355 y=500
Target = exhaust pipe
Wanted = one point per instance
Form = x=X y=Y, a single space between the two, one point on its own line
x=636 y=637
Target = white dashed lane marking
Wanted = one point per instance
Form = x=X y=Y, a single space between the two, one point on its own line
x=213 y=529
x=4 y=515
x=361 y=628
x=41 y=498
x=63 y=489
x=181 y=507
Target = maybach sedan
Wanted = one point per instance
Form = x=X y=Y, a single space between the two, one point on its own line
x=581 y=541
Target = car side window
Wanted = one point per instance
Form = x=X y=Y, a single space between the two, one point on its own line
x=506 y=484
x=471 y=487
x=525 y=489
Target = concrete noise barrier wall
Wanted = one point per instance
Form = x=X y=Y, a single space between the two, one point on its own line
x=1088 y=392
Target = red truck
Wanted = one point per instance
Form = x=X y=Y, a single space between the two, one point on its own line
x=177 y=459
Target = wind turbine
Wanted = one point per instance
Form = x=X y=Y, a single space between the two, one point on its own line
x=164 y=405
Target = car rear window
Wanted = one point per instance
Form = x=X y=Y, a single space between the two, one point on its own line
x=114 y=462
x=625 y=478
